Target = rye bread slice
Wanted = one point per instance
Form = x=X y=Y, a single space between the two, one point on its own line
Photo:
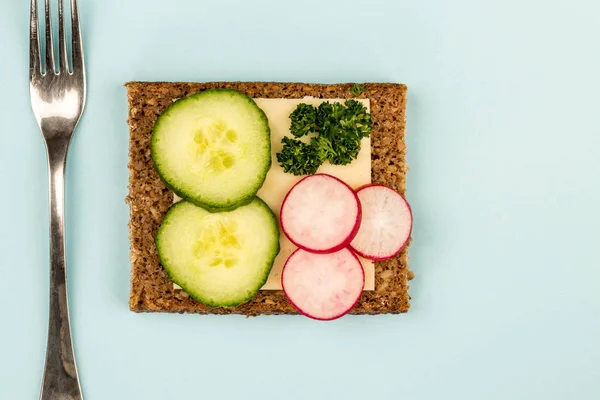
x=149 y=199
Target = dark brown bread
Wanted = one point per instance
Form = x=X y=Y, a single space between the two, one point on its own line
x=149 y=199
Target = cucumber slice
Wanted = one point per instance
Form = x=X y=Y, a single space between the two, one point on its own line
x=213 y=148
x=220 y=259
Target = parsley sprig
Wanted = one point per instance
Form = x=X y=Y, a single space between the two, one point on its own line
x=335 y=131
x=357 y=89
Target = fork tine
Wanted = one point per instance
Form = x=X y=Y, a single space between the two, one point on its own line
x=49 y=45
x=34 y=42
x=62 y=45
x=77 y=42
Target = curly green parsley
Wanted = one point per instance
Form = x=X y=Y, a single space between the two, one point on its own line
x=357 y=89
x=337 y=130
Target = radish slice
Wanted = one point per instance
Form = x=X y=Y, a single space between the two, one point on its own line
x=323 y=286
x=320 y=214
x=386 y=223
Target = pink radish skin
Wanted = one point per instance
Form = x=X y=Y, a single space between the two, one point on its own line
x=320 y=214
x=323 y=286
x=386 y=223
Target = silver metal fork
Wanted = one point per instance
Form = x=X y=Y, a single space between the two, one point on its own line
x=57 y=99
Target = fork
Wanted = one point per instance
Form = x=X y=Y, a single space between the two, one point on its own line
x=57 y=99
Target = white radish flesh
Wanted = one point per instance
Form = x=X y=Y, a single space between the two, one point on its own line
x=323 y=286
x=320 y=214
x=386 y=223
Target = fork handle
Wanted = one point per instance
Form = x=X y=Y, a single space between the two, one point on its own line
x=60 y=372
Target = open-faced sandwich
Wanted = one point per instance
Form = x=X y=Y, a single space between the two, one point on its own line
x=268 y=198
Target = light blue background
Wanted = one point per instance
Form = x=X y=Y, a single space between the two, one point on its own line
x=503 y=137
